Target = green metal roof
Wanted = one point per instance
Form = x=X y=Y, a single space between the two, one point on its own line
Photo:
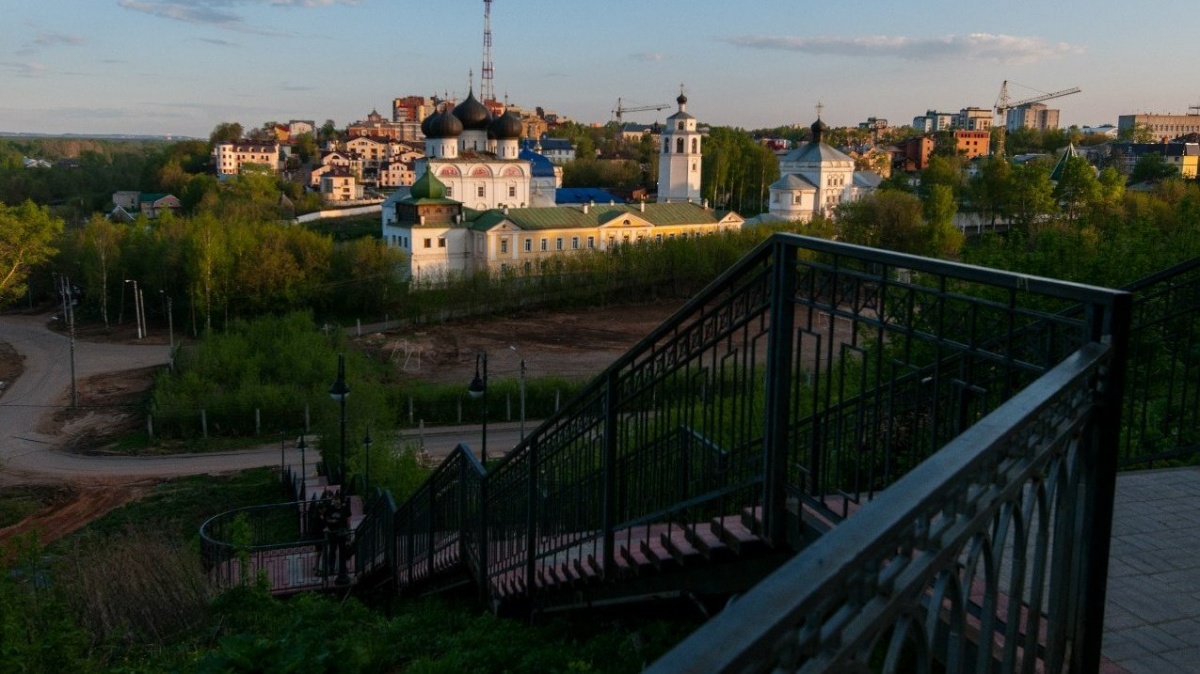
x=573 y=217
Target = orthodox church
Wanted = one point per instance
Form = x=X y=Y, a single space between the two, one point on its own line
x=477 y=156
x=814 y=179
x=477 y=201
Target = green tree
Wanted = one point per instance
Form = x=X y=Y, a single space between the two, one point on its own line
x=1077 y=187
x=305 y=146
x=945 y=239
x=1151 y=167
x=28 y=237
x=988 y=190
x=1031 y=196
x=225 y=132
x=99 y=253
x=886 y=219
x=1138 y=133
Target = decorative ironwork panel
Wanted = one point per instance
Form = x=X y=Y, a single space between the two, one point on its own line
x=971 y=562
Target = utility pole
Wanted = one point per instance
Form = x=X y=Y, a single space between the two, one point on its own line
x=64 y=289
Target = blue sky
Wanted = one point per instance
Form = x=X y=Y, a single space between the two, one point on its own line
x=182 y=66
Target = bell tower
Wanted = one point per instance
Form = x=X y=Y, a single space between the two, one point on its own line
x=679 y=157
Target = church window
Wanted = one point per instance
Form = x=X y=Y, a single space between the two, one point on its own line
x=429 y=243
x=574 y=243
x=449 y=191
x=797 y=199
x=503 y=246
x=481 y=191
x=666 y=145
x=512 y=191
x=558 y=243
x=529 y=244
x=695 y=145
x=693 y=167
x=441 y=242
x=679 y=145
x=545 y=246
x=681 y=126
x=775 y=197
x=591 y=242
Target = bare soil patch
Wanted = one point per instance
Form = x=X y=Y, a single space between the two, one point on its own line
x=572 y=344
x=66 y=508
x=110 y=406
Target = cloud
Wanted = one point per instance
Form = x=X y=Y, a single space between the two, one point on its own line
x=218 y=43
x=648 y=56
x=50 y=39
x=25 y=68
x=218 y=13
x=47 y=39
x=974 y=47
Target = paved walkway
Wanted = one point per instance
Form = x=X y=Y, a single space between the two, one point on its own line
x=1152 y=621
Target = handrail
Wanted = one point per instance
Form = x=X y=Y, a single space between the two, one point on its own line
x=889 y=563
x=799 y=354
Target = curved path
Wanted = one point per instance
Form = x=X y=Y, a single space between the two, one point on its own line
x=26 y=454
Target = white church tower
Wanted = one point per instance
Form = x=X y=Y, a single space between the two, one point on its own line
x=679 y=158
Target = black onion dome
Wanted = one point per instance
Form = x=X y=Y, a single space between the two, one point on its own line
x=441 y=125
x=818 y=127
x=473 y=114
x=506 y=127
x=682 y=100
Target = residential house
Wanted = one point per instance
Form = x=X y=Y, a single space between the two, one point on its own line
x=128 y=204
x=339 y=184
x=230 y=157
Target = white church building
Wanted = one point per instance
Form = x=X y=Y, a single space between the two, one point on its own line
x=814 y=179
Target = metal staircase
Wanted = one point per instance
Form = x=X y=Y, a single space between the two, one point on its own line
x=896 y=459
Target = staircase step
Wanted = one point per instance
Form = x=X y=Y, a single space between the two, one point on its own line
x=586 y=571
x=679 y=547
x=655 y=553
x=703 y=539
x=735 y=534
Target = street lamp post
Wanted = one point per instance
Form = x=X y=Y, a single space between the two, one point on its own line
x=478 y=389
x=367 y=457
x=338 y=391
x=522 y=437
x=303 y=466
x=170 y=319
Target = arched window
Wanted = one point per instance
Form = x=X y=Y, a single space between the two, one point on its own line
x=666 y=146
x=695 y=145
x=679 y=145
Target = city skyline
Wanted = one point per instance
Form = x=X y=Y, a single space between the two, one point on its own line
x=180 y=67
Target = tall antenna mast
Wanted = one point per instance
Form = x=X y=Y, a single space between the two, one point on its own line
x=487 y=88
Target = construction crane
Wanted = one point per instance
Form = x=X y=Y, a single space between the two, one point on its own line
x=621 y=109
x=1003 y=105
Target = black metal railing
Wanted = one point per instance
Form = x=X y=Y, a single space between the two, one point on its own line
x=1162 y=401
x=818 y=373
x=281 y=544
x=983 y=558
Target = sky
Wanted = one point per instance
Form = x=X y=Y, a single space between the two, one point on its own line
x=180 y=67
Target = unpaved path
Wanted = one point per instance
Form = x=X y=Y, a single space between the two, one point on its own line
x=45 y=441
